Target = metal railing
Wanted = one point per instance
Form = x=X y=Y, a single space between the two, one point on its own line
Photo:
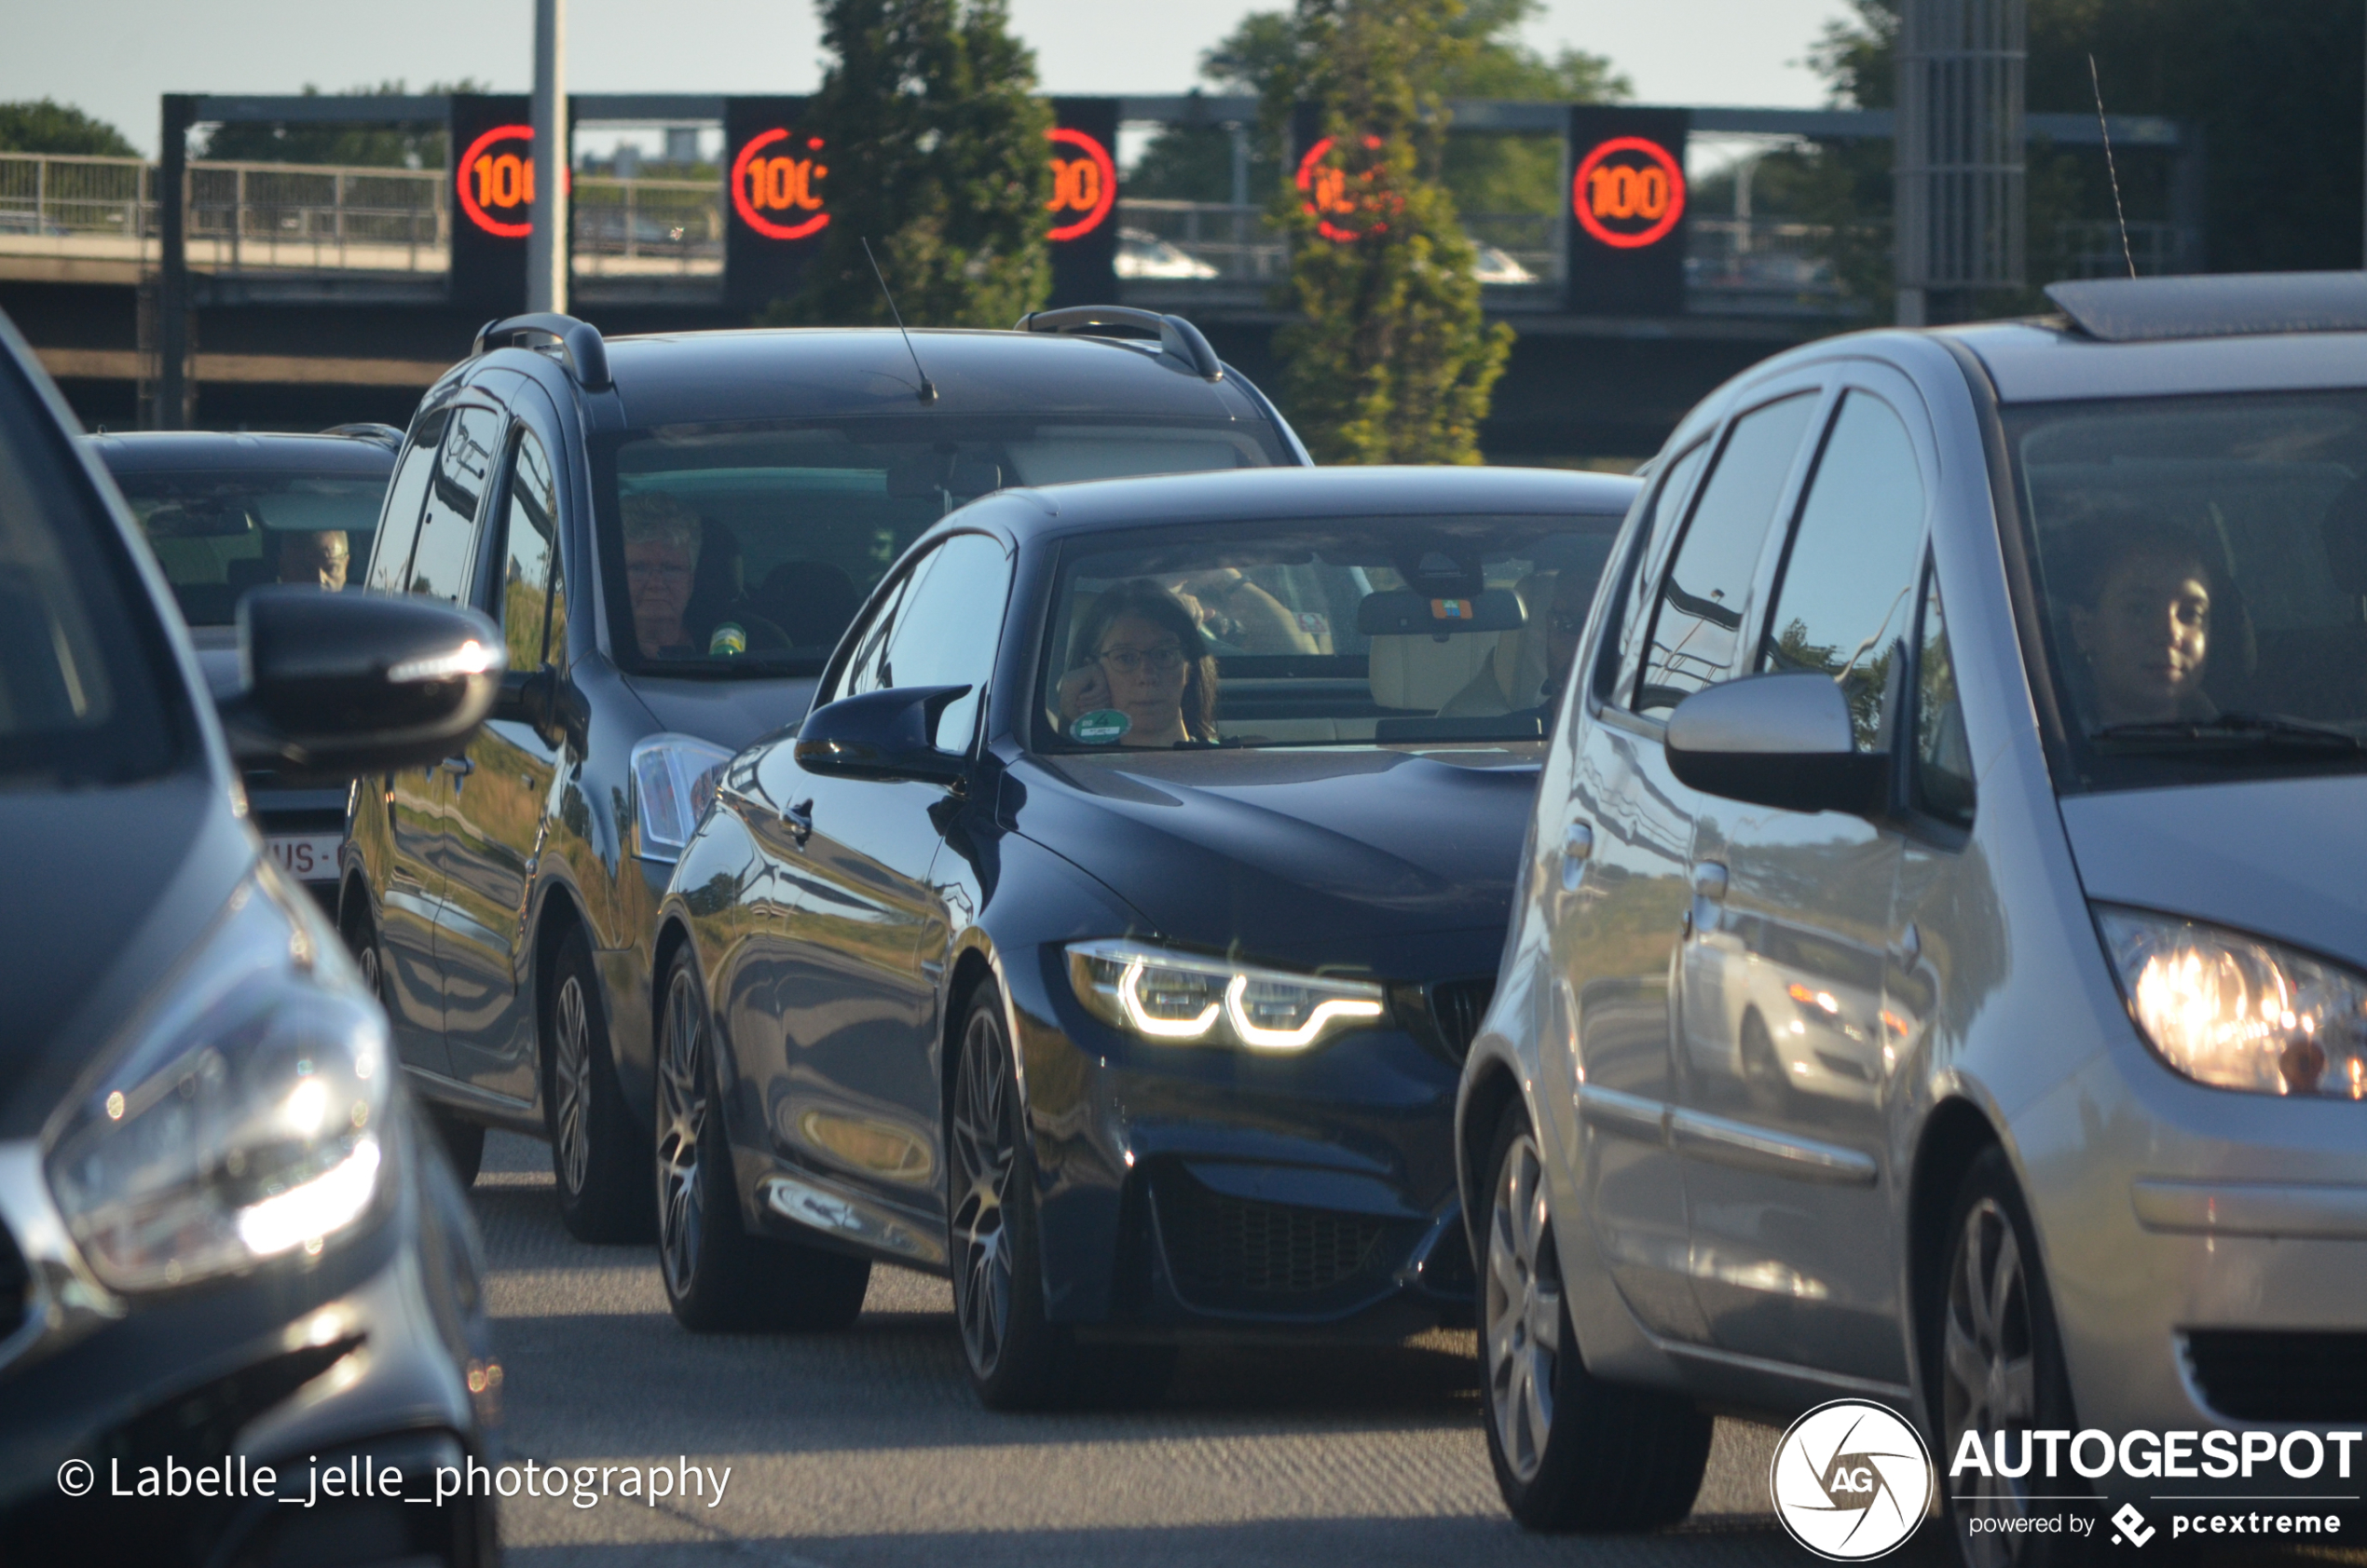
x=55 y=196
x=645 y=227
x=251 y=216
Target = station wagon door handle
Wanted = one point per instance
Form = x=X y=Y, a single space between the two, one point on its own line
x=798 y=819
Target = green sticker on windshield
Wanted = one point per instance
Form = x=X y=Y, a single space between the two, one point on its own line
x=1101 y=727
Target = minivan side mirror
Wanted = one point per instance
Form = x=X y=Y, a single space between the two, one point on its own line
x=335 y=685
x=1776 y=740
x=886 y=734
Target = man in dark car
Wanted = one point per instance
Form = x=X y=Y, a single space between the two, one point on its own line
x=317 y=560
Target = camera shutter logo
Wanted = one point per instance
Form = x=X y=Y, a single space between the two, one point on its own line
x=1850 y=1481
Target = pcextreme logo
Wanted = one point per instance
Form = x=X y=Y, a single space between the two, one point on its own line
x=1850 y=1481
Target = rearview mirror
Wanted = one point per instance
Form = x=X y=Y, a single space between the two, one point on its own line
x=1784 y=741
x=334 y=685
x=888 y=734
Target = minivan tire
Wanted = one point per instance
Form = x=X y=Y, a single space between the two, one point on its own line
x=596 y=1150
x=718 y=1277
x=1569 y=1451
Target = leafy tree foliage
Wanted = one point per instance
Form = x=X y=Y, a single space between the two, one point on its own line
x=45 y=126
x=356 y=146
x=936 y=157
x=1393 y=361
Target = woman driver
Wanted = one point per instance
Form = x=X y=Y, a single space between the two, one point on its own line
x=1139 y=651
x=2140 y=622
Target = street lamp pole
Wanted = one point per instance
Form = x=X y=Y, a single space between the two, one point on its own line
x=546 y=244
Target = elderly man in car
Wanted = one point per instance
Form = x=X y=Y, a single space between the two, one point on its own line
x=662 y=540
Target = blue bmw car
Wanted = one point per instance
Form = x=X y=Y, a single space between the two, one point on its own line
x=1109 y=935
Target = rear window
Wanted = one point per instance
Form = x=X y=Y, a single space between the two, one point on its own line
x=217 y=534
x=746 y=548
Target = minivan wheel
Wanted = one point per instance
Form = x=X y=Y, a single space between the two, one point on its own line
x=1994 y=1358
x=1570 y=1453
x=718 y=1277
x=1018 y=1358
x=595 y=1150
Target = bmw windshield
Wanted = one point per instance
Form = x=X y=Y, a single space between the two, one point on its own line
x=746 y=548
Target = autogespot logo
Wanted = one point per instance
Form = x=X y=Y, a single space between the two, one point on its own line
x=1850 y=1481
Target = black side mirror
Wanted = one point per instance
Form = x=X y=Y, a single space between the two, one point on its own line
x=335 y=685
x=888 y=734
x=1784 y=741
x=545 y=702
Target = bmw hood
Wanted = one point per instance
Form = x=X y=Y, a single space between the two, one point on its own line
x=2277 y=857
x=1368 y=855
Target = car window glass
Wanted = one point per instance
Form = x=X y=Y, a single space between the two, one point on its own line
x=447 y=550
x=1943 y=761
x=1623 y=648
x=528 y=528
x=1845 y=601
x=1701 y=600
x=862 y=672
x=399 y=524
x=948 y=628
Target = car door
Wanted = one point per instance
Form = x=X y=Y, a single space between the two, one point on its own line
x=864 y=924
x=1780 y=1128
x=1617 y=936
x=500 y=807
x=437 y=562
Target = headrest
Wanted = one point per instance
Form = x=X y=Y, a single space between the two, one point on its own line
x=1521 y=656
x=2343 y=531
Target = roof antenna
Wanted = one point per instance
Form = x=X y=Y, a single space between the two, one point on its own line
x=2110 y=168
x=928 y=387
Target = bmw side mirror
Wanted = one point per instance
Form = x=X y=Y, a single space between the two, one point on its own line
x=888 y=734
x=1781 y=740
x=334 y=685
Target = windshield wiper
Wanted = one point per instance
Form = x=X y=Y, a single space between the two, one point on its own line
x=2228 y=734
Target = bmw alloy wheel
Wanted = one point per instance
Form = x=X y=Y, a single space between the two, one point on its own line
x=984 y=1160
x=1987 y=1367
x=1523 y=1310
x=571 y=1082
x=682 y=1120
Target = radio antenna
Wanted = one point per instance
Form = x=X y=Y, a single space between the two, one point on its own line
x=2093 y=81
x=928 y=387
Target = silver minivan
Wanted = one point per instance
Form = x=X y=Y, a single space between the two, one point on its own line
x=1941 y=975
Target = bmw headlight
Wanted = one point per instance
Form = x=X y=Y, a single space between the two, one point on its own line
x=245 y=1120
x=674 y=780
x=2239 y=1012
x=1183 y=997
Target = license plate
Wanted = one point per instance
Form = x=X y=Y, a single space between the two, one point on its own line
x=308 y=857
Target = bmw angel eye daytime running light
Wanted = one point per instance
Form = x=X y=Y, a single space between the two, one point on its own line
x=1187 y=998
x=2239 y=1012
x=245 y=1121
x=674 y=782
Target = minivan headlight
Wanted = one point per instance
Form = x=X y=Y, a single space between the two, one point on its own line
x=1179 y=998
x=246 y=1119
x=674 y=780
x=2239 y=1012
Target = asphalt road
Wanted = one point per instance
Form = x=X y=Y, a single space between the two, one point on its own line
x=867 y=1448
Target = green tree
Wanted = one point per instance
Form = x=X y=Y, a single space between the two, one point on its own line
x=937 y=157
x=353 y=147
x=47 y=125
x=1393 y=361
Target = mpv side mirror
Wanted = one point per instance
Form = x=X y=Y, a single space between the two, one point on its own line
x=888 y=734
x=545 y=702
x=1783 y=740
x=335 y=685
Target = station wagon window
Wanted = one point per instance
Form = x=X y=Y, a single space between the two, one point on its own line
x=1699 y=612
x=1845 y=598
x=447 y=547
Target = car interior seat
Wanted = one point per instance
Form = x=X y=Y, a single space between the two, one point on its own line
x=1420 y=672
x=1513 y=678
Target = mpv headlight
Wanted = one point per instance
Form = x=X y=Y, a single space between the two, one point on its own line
x=244 y=1121
x=674 y=778
x=2239 y=1012
x=1180 y=998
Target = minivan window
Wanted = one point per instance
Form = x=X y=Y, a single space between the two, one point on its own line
x=745 y=547
x=447 y=548
x=529 y=545
x=1845 y=601
x=2199 y=569
x=1701 y=602
x=399 y=524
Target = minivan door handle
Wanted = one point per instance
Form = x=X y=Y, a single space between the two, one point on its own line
x=798 y=820
x=1709 y=881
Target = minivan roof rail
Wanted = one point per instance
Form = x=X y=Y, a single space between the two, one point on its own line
x=586 y=352
x=2224 y=305
x=1177 y=336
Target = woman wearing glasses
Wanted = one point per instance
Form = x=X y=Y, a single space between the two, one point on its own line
x=1139 y=653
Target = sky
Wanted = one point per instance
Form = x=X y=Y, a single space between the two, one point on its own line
x=114 y=58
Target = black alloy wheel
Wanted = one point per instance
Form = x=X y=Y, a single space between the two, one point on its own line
x=718 y=1276
x=1570 y=1453
x=594 y=1147
x=1996 y=1361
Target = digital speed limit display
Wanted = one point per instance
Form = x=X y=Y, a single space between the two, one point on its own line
x=776 y=179
x=492 y=191
x=1626 y=216
x=1083 y=204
